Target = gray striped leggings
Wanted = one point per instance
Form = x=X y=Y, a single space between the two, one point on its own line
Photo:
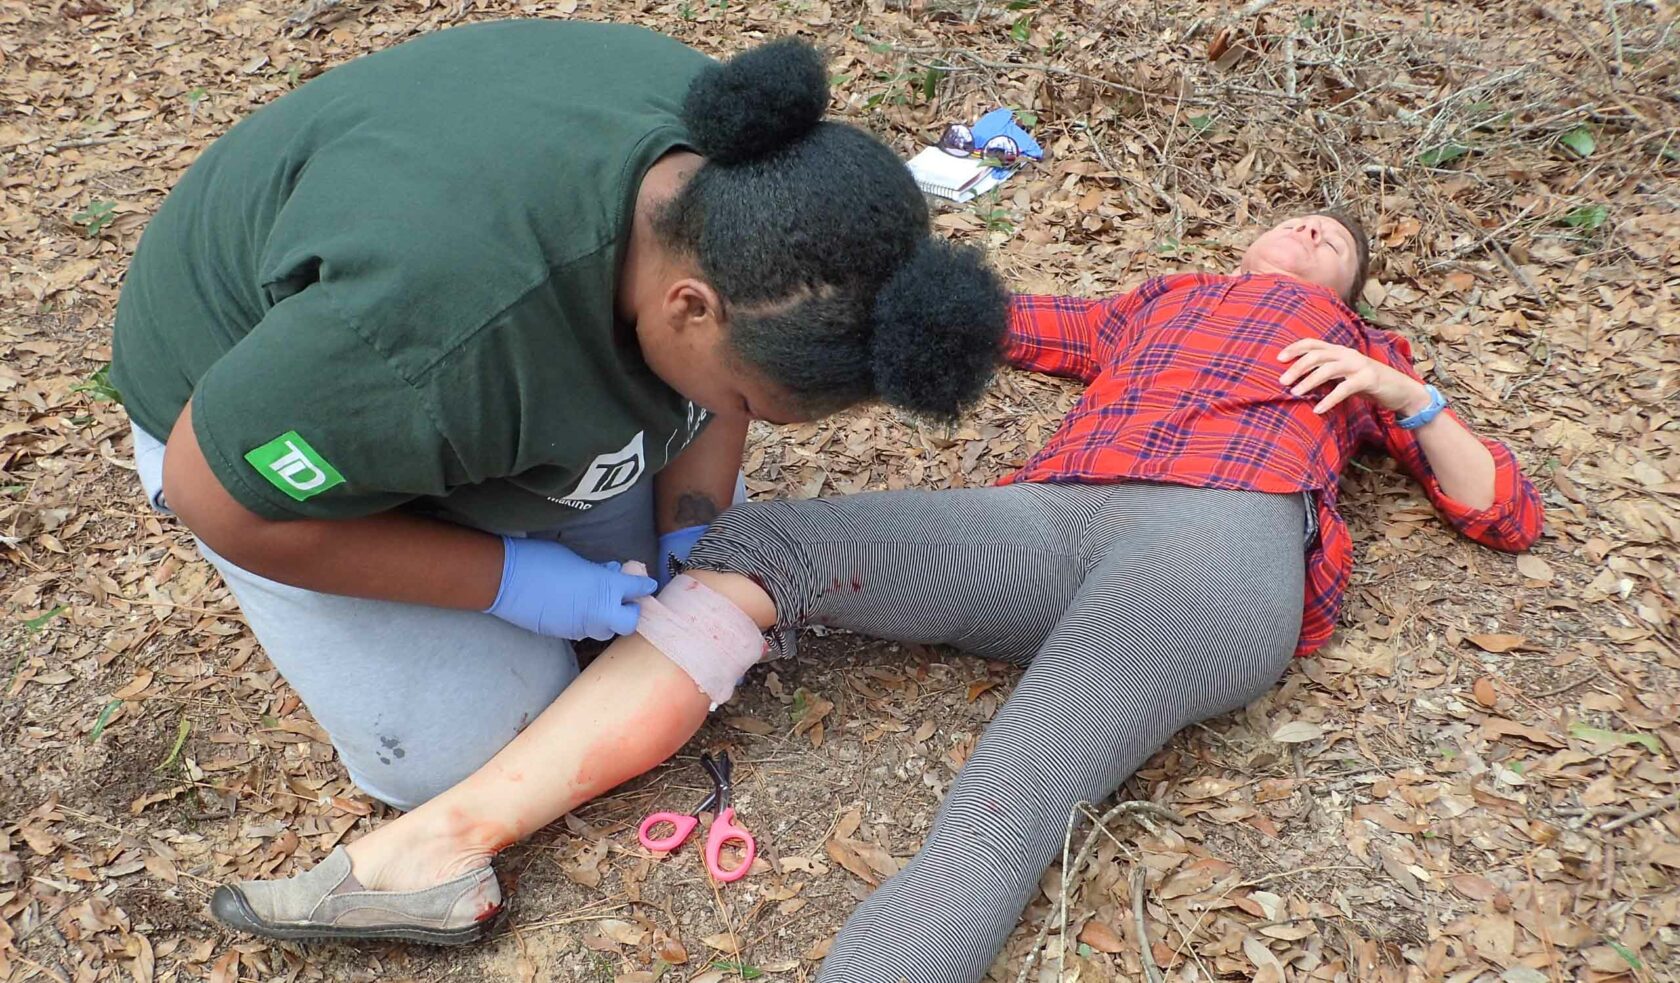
x=1136 y=608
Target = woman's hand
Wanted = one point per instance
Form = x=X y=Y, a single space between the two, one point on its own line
x=1317 y=363
x=548 y=589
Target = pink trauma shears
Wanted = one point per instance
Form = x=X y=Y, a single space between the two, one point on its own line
x=723 y=832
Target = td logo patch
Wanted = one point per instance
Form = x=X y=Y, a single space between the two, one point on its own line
x=608 y=475
x=294 y=467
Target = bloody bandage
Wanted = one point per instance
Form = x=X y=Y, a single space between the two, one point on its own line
x=704 y=633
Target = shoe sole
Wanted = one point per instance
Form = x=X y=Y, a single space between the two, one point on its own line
x=228 y=906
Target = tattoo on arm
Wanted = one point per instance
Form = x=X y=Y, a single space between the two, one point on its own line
x=695 y=509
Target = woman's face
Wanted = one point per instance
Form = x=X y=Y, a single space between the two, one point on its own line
x=1314 y=248
x=685 y=342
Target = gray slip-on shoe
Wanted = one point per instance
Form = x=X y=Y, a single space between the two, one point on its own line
x=329 y=903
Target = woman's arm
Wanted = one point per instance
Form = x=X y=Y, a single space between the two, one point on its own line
x=1055 y=335
x=392 y=557
x=1475 y=483
x=700 y=483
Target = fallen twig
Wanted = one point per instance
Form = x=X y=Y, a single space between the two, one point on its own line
x=1566 y=687
x=1661 y=805
x=1521 y=275
x=1476 y=245
x=1152 y=971
x=728 y=924
x=1289 y=65
x=84 y=142
x=1138 y=808
x=37 y=968
x=1568 y=24
x=1615 y=32
x=593 y=916
x=1529 y=380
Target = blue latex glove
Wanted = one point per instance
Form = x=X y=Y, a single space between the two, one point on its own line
x=677 y=544
x=548 y=589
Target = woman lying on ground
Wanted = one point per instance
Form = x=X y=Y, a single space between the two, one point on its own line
x=1148 y=568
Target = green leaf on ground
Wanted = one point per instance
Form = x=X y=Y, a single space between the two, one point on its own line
x=1444 y=154
x=1580 y=140
x=746 y=972
x=1628 y=955
x=930 y=83
x=95 y=216
x=104 y=718
x=1588 y=217
x=99 y=386
x=1602 y=736
x=35 y=624
x=1021 y=30
x=181 y=733
x=1201 y=124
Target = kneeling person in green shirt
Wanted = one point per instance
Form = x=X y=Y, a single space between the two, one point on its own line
x=422 y=350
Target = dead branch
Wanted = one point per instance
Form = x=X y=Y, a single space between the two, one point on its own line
x=1150 y=970
x=1615 y=34
x=1521 y=274
x=84 y=142
x=1289 y=80
x=1138 y=809
x=1661 y=805
x=1478 y=245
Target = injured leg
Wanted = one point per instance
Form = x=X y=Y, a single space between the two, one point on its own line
x=631 y=709
x=704 y=633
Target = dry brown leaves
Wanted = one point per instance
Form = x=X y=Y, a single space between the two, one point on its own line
x=1476 y=781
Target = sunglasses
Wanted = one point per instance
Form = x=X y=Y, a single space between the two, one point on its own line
x=958 y=141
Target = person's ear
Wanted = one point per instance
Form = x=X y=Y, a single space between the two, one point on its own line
x=693 y=307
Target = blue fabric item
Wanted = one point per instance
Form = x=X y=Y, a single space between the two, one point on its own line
x=1001 y=122
x=548 y=589
x=676 y=545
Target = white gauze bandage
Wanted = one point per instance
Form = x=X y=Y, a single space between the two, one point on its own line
x=704 y=633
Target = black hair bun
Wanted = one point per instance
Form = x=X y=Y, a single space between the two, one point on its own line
x=757 y=102
x=939 y=328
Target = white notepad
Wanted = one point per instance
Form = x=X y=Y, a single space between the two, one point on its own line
x=948 y=176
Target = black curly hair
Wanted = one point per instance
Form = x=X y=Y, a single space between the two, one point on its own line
x=817 y=240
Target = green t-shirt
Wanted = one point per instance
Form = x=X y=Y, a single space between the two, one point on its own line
x=395 y=285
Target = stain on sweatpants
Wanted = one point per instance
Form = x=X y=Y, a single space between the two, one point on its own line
x=392 y=745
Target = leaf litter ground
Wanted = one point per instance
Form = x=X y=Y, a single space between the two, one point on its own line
x=1476 y=781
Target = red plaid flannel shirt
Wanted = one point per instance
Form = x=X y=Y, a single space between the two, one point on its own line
x=1182 y=387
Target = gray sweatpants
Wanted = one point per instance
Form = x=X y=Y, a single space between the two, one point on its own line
x=416 y=698
x=1136 y=608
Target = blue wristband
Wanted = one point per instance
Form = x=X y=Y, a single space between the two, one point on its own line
x=1437 y=403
